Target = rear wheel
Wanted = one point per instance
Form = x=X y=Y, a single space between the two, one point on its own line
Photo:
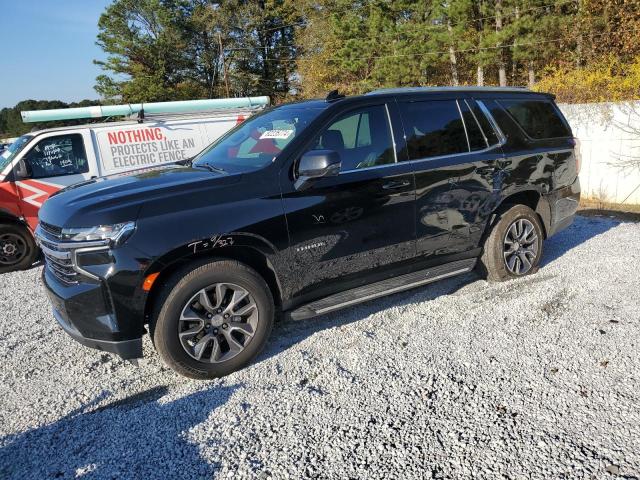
x=213 y=319
x=17 y=248
x=514 y=246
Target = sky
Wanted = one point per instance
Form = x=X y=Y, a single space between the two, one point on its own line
x=47 y=48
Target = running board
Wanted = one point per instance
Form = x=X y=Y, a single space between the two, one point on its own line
x=382 y=288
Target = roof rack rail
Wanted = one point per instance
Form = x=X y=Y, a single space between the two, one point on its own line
x=446 y=89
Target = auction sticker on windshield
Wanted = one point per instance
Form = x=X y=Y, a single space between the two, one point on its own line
x=280 y=134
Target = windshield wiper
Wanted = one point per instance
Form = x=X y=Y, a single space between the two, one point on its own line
x=212 y=168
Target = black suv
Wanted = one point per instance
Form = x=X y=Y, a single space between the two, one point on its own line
x=304 y=209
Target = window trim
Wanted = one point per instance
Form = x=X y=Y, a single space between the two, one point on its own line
x=484 y=135
x=57 y=135
x=464 y=125
x=502 y=138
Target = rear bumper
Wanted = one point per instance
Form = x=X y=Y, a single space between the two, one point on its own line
x=85 y=312
x=563 y=205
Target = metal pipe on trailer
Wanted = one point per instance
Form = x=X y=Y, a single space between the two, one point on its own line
x=184 y=106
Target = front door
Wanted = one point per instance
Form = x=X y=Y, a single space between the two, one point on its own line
x=346 y=229
x=54 y=162
x=454 y=161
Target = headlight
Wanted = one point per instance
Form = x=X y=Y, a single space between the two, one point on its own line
x=116 y=233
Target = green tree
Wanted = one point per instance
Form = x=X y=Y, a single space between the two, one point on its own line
x=145 y=50
x=180 y=49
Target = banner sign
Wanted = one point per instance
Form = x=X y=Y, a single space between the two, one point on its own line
x=140 y=146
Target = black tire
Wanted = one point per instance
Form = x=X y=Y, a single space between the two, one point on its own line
x=493 y=265
x=18 y=250
x=177 y=294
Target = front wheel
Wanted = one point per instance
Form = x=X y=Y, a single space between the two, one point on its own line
x=213 y=319
x=513 y=248
x=18 y=250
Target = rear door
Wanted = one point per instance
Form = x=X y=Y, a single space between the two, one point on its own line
x=346 y=228
x=56 y=160
x=455 y=154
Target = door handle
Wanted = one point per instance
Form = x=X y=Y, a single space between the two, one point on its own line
x=396 y=184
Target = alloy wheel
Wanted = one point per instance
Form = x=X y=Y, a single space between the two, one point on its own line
x=217 y=323
x=521 y=246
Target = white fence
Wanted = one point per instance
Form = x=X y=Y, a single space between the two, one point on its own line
x=610 y=137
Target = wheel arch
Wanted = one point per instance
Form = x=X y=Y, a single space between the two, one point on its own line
x=8 y=217
x=532 y=198
x=249 y=256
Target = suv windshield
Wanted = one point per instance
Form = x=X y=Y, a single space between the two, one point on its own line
x=13 y=150
x=256 y=142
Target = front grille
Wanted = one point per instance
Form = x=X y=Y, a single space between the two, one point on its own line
x=52 y=230
x=58 y=261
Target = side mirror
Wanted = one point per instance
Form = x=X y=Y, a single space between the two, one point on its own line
x=23 y=170
x=318 y=164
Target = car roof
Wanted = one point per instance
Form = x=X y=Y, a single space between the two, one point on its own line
x=409 y=91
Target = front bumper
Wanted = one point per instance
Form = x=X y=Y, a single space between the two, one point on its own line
x=86 y=312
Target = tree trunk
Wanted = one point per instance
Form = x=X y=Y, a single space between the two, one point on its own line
x=502 y=71
x=224 y=66
x=532 y=75
x=452 y=57
x=579 y=38
x=514 y=63
x=477 y=12
x=285 y=70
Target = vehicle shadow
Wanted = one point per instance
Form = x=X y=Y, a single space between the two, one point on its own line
x=289 y=332
x=127 y=438
x=581 y=230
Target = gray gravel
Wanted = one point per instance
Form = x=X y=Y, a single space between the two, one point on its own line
x=536 y=378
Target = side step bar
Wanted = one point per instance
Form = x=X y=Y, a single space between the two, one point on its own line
x=382 y=288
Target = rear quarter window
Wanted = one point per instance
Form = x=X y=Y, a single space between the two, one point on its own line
x=538 y=118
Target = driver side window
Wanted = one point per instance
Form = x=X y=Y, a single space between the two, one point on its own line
x=57 y=156
x=362 y=138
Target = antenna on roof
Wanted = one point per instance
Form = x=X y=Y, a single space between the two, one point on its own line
x=334 y=95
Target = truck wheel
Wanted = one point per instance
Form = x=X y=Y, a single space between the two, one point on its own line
x=214 y=318
x=18 y=250
x=513 y=248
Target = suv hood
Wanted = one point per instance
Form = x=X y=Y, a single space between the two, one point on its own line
x=118 y=198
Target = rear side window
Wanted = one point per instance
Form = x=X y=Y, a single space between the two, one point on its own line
x=57 y=156
x=433 y=128
x=538 y=118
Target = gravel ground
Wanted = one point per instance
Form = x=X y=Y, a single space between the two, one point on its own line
x=535 y=378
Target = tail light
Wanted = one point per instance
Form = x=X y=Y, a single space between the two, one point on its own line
x=577 y=151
